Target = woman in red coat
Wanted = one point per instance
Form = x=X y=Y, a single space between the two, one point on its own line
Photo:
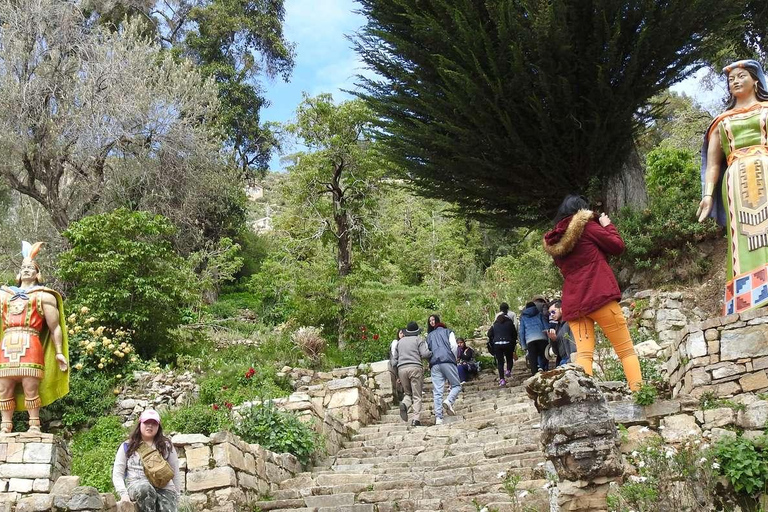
x=580 y=244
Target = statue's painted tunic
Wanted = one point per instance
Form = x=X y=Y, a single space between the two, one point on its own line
x=21 y=350
x=744 y=137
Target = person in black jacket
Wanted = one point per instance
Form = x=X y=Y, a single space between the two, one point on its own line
x=503 y=335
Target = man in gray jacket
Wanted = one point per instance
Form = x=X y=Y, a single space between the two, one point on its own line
x=406 y=357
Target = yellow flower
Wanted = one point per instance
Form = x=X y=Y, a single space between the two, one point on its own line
x=90 y=330
x=79 y=366
x=123 y=344
x=71 y=332
x=103 y=360
x=105 y=342
x=116 y=391
x=83 y=343
x=100 y=330
x=90 y=320
x=111 y=346
x=101 y=365
x=134 y=359
x=72 y=318
x=119 y=376
x=84 y=310
x=127 y=349
x=119 y=354
x=92 y=345
x=78 y=328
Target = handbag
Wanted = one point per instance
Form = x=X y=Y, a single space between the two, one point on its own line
x=157 y=469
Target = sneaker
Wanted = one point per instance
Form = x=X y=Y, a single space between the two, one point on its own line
x=508 y=373
x=448 y=406
x=439 y=421
x=403 y=412
x=502 y=383
x=415 y=423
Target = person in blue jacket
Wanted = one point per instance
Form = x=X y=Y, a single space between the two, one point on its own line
x=533 y=336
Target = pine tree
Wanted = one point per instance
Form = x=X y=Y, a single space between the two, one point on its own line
x=504 y=106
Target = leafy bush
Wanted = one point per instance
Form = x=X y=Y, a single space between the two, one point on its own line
x=646 y=395
x=310 y=342
x=93 y=452
x=122 y=266
x=744 y=463
x=91 y=396
x=198 y=418
x=278 y=431
x=663 y=235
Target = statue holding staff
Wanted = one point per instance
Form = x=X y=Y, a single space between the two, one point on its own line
x=33 y=345
x=734 y=186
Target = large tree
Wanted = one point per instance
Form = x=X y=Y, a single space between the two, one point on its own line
x=237 y=43
x=91 y=120
x=504 y=106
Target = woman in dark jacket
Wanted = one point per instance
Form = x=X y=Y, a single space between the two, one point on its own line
x=580 y=245
x=503 y=335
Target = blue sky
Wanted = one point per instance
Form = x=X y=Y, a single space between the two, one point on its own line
x=325 y=61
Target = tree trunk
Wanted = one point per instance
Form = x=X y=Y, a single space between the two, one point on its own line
x=627 y=187
x=343 y=261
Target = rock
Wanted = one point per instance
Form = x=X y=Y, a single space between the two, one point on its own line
x=35 y=503
x=347 y=382
x=83 y=498
x=128 y=403
x=670 y=319
x=754 y=381
x=22 y=485
x=211 y=479
x=345 y=398
x=127 y=506
x=647 y=349
x=38 y=452
x=577 y=429
x=749 y=341
x=31 y=471
x=627 y=412
x=678 y=428
x=754 y=416
x=696 y=345
x=727 y=369
x=64 y=485
x=189 y=439
x=380 y=366
x=637 y=436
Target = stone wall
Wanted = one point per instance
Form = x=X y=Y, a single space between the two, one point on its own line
x=660 y=315
x=724 y=356
x=224 y=473
x=157 y=391
x=31 y=463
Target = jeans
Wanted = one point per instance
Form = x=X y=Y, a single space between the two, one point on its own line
x=440 y=373
x=537 y=355
x=502 y=352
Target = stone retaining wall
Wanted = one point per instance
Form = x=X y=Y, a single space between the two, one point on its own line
x=724 y=356
x=31 y=463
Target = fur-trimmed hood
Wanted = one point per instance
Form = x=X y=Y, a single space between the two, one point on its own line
x=561 y=240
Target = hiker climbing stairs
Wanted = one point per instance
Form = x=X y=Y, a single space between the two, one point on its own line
x=487 y=455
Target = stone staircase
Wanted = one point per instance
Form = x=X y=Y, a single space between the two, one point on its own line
x=460 y=466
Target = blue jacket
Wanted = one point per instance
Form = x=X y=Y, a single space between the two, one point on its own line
x=439 y=343
x=533 y=326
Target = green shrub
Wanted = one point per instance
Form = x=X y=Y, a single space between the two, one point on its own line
x=664 y=234
x=90 y=397
x=197 y=418
x=93 y=452
x=94 y=348
x=744 y=464
x=646 y=395
x=122 y=266
x=278 y=431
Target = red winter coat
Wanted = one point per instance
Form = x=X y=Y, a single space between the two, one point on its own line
x=579 y=245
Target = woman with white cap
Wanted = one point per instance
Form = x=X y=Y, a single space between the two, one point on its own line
x=146 y=469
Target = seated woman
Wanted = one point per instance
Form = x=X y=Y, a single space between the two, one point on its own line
x=129 y=467
x=465 y=361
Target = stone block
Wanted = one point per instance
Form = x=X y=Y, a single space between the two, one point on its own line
x=679 y=427
x=331 y=500
x=628 y=413
x=348 y=382
x=754 y=313
x=711 y=335
x=226 y=454
x=247 y=481
x=183 y=439
x=25 y=471
x=129 y=506
x=637 y=436
x=35 y=503
x=14 y=452
x=380 y=366
x=211 y=479
x=719 y=417
x=754 y=381
x=696 y=345
x=198 y=457
x=713 y=347
x=345 y=398
x=38 y=452
x=41 y=485
x=65 y=484
x=22 y=485
x=662 y=408
x=83 y=498
x=760 y=363
x=749 y=342
x=700 y=377
x=726 y=369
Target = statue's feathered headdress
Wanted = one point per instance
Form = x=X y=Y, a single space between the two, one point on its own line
x=29 y=251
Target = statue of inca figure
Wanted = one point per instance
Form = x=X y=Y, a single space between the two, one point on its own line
x=33 y=346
